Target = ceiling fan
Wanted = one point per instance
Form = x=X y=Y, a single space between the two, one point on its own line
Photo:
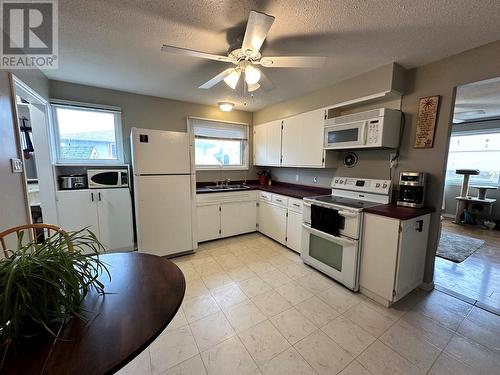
x=247 y=58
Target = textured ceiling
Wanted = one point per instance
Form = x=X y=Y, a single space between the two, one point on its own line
x=116 y=43
x=478 y=101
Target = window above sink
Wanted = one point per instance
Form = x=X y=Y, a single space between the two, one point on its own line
x=219 y=144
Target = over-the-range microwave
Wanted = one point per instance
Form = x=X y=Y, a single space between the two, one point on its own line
x=376 y=128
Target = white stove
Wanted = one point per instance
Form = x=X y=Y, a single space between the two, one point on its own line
x=332 y=226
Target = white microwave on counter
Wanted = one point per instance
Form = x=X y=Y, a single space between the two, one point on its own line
x=376 y=128
x=107 y=178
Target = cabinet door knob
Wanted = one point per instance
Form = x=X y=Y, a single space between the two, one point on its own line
x=99 y=195
x=92 y=196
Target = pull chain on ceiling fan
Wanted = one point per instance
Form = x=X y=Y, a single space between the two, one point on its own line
x=249 y=56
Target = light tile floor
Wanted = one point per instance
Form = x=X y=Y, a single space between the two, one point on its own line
x=478 y=276
x=253 y=308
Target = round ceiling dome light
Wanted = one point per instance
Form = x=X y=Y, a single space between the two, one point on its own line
x=225 y=106
x=252 y=75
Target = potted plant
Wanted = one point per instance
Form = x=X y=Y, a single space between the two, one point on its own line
x=42 y=284
x=264 y=176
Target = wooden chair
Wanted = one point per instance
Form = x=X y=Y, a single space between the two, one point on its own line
x=33 y=228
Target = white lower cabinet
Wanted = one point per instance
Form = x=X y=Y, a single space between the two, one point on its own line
x=272 y=221
x=107 y=213
x=208 y=222
x=280 y=218
x=226 y=214
x=231 y=213
x=237 y=218
x=392 y=256
x=294 y=230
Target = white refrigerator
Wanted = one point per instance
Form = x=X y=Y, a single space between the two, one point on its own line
x=164 y=191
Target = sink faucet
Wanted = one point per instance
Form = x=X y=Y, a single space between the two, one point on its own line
x=227 y=181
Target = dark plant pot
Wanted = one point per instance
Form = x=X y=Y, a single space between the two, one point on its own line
x=262 y=180
x=31 y=330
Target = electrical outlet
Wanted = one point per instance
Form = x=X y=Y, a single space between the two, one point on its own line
x=315 y=179
x=16 y=165
x=393 y=160
x=296 y=178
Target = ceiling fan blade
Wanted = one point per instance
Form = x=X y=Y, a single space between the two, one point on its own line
x=218 y=78
x=258 y=26
x=191 y=52
x=292 y=62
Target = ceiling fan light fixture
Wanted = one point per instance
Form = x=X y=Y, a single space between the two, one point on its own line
x=252 y=75
x=225 y=106
x=232 y=79
x=254 y=87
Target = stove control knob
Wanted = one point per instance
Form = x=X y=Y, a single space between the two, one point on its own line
x=384 y=186
x=336 y=180
x=377 y=185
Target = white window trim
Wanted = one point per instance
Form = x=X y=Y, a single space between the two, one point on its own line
x=459 y=181
x=85 y=106
x=246 y=149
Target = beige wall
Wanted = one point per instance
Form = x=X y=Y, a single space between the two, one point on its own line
x=12 y=199
x=441 y=78
x=153 y=113
x=438 y=78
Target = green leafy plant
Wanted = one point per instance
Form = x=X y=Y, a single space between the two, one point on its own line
x=45 y=283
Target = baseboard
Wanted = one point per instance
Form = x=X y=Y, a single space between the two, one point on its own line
x=427 y=286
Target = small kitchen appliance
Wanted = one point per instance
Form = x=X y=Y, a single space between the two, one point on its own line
x=72 y=182
x=412 y=189
x=107 y=178
x=331 y=226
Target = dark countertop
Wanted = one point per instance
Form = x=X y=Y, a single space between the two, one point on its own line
x=283 y=188
x=398 y=212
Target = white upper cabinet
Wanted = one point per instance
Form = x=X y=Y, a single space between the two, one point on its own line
x=302 y=140
x=267 y=144
x=296 y=141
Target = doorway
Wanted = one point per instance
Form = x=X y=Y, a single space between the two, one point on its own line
x=31 y=113
x=468 y=257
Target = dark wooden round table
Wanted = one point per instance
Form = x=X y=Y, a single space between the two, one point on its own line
x=142 y=297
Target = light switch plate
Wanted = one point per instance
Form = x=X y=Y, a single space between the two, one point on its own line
x=16 y=165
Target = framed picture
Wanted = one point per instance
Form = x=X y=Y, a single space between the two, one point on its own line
x=426 y=121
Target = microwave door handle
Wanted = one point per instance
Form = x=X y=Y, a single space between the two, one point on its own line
x=364 y=130
x=327 y=236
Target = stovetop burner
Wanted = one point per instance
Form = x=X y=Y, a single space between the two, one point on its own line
x=342 y=201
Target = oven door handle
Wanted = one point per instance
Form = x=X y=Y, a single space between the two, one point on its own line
x=348 y=214
x=341 y=212
x=329 y=237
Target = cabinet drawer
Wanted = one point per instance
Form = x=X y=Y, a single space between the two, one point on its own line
x=295 y=204
x=234 y=196
x=265 y=196
x=280 y=199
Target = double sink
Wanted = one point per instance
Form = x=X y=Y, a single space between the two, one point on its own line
x=228 y=187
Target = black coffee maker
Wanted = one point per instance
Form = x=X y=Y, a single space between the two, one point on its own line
x=411 y=189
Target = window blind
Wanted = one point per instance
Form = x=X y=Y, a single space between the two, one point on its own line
x=218 y=130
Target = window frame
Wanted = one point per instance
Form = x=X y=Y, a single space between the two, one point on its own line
x=245 y=149
x=55 y=135
x=458 y=181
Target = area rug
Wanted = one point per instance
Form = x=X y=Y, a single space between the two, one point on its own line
x=456 y=247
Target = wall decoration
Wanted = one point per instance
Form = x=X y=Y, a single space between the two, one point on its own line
x=426 y=121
